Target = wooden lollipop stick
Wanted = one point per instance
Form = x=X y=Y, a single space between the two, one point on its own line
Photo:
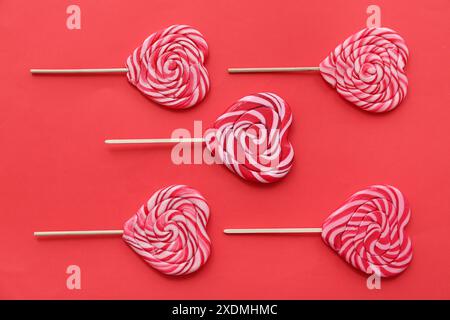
x=61 y=71
x=77 y=233
x=283 y=69
x=272 y=230
x=153 y=141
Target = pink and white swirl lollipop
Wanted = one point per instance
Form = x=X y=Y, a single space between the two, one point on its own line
x=168 y=68
x=250 y=138
x=367 y=69
x=168 y=231
x=367 y=231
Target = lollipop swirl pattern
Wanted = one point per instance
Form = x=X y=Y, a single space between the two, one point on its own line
x=368 y=231
x=251 y=138
x=169 y=231
x=169 y=67
x=368 y=69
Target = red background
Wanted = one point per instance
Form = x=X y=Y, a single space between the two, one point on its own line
x=56 y=173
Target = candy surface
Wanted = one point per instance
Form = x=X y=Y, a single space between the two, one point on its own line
x=169 y=67
x=169 y=231
x=367 y=69
x=368 y=231
x=251 y=138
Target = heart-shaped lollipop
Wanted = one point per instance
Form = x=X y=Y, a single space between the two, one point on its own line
x=168 y=232
x=367 y=69
x=250 y=138
x=367 y=231
x=168 y=68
